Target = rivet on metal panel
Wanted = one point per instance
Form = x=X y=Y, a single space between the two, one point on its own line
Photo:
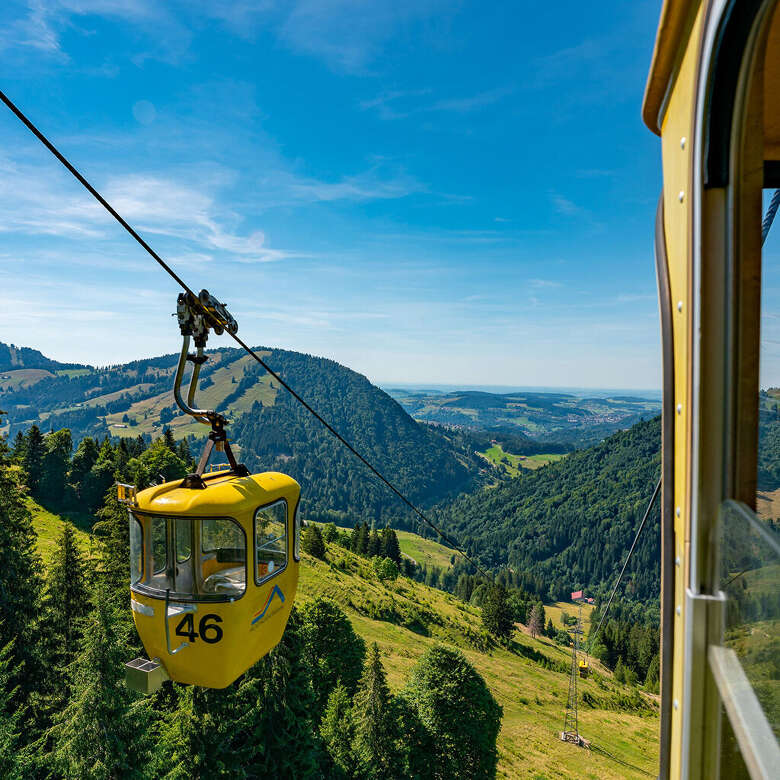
x=679 y=408
x=679 y=609
x=682 y=142
x=679 y=305
x=676 y=704
x=677 y=511
x=677 y=561
x=681 y=196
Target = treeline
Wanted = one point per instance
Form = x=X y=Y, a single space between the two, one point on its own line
x=317 y=706
x=68 y=481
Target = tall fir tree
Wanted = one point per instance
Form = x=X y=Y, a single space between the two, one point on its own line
x=332 y=651
x=459 y=712
x=56 y=462
x=374 y=724
x=338 y=732
x=497 y=614
x=15 y=760
x=66 y=600
x=390 y=547
x=103 y=732
x=374 y=544
x=32 y=459
x=286 y=718
x=20 y=577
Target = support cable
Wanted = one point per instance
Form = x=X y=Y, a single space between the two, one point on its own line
x=592 y=638
x=769 y=217
x=118 y=217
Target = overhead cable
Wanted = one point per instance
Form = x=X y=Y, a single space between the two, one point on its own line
x=118 y=217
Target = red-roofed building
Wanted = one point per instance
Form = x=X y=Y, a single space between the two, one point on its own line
x=576 y=595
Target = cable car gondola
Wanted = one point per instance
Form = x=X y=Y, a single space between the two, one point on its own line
x=214 y=557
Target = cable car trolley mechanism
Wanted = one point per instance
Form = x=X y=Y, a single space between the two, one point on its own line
x=213 y=557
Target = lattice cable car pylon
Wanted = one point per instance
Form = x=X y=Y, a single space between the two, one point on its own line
x=570 y=731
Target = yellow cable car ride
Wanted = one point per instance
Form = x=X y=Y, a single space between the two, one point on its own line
x=583 y=668
x=214 y=557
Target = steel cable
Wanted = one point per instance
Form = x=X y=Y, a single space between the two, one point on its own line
x=118 y=217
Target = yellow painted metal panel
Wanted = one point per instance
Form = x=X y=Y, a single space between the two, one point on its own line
x=232 y=635
x=677 y=131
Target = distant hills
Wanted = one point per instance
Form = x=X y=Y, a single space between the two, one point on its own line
x=546 y=417
x=13 y=358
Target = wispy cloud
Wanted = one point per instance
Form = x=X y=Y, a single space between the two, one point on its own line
x=34 y=200
x=399 y=104
x=566 y=207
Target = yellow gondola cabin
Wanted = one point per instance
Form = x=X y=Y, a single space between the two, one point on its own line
x=213 y=573
x=213 y=557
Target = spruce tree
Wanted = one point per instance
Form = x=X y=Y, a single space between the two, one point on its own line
x=66 y=600
x=103 y=731
x=56 y=461
x=332 y=651
x=168 y=439
x=17 y=454
x=338 y=732
x=14 y=757
x=497 y=614
x=286 y=717
x=550 y=631
x=374 y=545
x=374 y=725
x=312 y=542
x=390 y=547
x=32 y=459
x=80 y=465
x=20 y=577
x=458 y=711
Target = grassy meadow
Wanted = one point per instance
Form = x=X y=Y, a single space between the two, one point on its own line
x=515 y=464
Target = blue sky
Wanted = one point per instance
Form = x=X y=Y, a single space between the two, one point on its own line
x=428 y=192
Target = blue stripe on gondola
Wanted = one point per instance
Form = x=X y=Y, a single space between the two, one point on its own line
x=259 y=615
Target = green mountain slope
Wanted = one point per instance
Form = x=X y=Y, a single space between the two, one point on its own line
x=270 y=429
x=571 y=522
x=529 y=678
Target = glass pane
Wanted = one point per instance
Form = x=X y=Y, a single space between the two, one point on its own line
x=215 y=569
x=183 y=539
x=136 y=551
x=750 y=578
x=768 y=494
x=270 y=540
x=297 y=539
x=159 y=544
x=223 y=557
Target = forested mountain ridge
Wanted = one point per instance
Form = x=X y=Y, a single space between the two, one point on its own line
x=571 y=523
x=13 y=358
x=271 y=430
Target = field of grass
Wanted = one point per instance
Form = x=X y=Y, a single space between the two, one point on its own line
x=48 y=528
x=529 y=678
x=74 y=372
x=554 y=611
x=22 y=377
x=146 y=411
x=515 y=463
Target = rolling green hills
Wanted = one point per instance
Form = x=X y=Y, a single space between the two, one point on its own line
x=544 y=417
